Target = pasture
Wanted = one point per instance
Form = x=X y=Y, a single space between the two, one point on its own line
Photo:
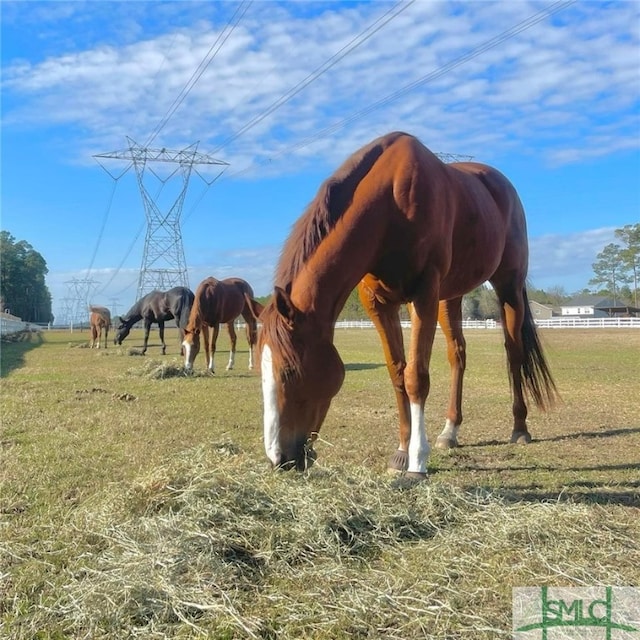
x=136 y=502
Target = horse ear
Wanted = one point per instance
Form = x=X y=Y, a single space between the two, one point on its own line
x=121 y=319
x=284 y=305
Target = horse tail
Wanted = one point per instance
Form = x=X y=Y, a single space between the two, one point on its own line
x=538 y=380
x=254 y=306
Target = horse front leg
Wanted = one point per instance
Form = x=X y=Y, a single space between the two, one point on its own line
x=424 y=320
x=234 y=339
x=386 y=319
x=450 y=319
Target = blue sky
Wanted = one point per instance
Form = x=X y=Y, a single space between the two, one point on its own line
x=289 y=92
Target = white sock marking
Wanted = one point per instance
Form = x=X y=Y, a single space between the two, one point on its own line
x=271 y=416
x=232 y=359
x=418 y=444
x=450 y=431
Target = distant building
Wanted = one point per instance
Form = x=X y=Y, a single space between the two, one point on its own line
x=540 y=311
x=596 y=307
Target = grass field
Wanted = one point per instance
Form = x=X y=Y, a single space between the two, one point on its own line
x=136 y=502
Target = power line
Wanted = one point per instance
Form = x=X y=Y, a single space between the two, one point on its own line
x=201 y=68
x=361 y=38
x=433 y=75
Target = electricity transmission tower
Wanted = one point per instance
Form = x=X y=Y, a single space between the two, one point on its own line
x=163 y=262
x=75 y=309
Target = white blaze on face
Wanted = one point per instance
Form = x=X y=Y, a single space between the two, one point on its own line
x=187 y=353
x=271 y=416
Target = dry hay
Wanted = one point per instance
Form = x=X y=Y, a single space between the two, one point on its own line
x=211 y=546
x=159 y=370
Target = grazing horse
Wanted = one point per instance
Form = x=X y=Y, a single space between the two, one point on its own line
x=404 y=227
x=158 y=307
x=99 y=320
x=220 y=301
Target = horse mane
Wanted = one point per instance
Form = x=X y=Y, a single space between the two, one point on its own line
x=328 y=206
x=318 y=220
x=103 y=312
x=277 y=332
x=196 y=321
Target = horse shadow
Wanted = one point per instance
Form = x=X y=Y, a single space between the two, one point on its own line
x=362 y=366
x=582 y=491
x=14 y=348
x=604 y=433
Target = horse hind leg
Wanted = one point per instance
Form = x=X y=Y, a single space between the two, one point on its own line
x=234 y=339
x=210 y=349
x=512 y=312
x=450 y=319
x=161 y=332
x=252 y=334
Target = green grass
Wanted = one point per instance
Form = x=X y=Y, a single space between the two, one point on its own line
x=136 y=502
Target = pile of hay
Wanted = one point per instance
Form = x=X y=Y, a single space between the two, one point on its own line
x=161 y=369
x=214 y=546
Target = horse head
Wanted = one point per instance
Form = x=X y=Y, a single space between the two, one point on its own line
x=190 y=346
x=122 y=331
x=301 y=373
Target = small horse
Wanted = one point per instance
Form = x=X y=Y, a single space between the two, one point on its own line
x=220 y=301
x=99 y=321
x=404 y=227
x=158 y=307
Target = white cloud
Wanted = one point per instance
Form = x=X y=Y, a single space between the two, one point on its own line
x=566 y=260
x=557 y=71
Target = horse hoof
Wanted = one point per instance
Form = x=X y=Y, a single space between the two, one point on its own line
x=520 y=437
x=445 y=443
x=415 y=476
x=398 y=462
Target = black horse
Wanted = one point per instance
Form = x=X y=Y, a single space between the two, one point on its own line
x=157 y=306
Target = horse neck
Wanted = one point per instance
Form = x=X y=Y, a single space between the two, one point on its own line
x=132 y=317
x=323 y=285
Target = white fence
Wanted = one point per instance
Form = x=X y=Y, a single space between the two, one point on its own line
x=589 y=323
x=11 y=324
x=550 y=323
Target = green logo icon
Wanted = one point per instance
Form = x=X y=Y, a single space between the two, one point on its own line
x=609 y=613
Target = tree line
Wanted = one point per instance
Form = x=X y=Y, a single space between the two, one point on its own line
x=617 y=265
x=23 y=291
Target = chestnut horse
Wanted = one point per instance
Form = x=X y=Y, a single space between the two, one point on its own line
x=99 y=321
x=405 y=228
x=157 y=306
x=220 y=301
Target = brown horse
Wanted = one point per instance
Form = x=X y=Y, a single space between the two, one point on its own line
x=404 y=227
x=99 y=321
x=220 y=301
